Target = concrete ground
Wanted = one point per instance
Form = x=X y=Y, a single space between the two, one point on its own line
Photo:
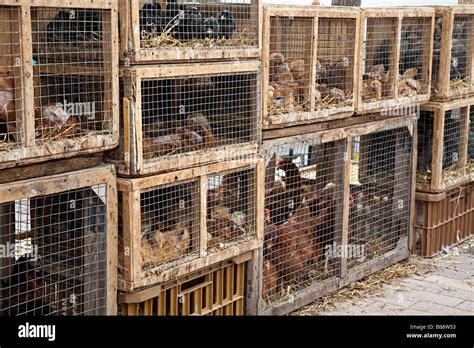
x=448 y=289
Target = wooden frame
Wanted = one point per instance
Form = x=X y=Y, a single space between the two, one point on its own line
x=169 y=298
x=255 y=304
x=132 y=53
x=313 y=114
x=395 y=101
x=27 y=150
x=133 y=275
x=47 y=185
x=129 y=159
x=441 y=90
x=437 y=182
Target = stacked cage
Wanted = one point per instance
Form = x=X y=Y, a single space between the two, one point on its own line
x=395 y=58
x=337 y=208
x=309 y=64
x=452 y=53
x=59 y=80
x=59 y=244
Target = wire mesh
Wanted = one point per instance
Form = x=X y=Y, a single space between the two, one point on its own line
x=380 y=197
x=169 y=223
x=186 y=114
x=303 y=208
x=335 y=63
x=437 y=37
x=415 y=42
x=379 y=56
x=470 y=145
x=72 y=72
x=56 y=254
x=291 y=50
x=453 y=138
x=231 y=207
x=461 y=51
x=198 y=24
x=425 y=147
x=11 y=96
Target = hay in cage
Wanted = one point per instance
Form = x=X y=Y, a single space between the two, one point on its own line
x=452 y=173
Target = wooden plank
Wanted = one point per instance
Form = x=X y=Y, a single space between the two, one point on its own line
x=203 y=216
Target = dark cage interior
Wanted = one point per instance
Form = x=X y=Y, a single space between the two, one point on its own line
x=198 y=24
x=303 y=216
x=195 y=113
x=379 y=56
x=335 y=63
x=425 y=147
x=231 y=204
x=291 y=51
x=57 y=250
x=380 y=197
x=11 y=96
x=72 y=72
x=169 y=223
x=461 y=51
x=453 y=138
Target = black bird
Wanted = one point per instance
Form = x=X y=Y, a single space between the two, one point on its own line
x=75 y=26
x=459 y=52
x=227 y=23
x=185 y=20
x=151 y=18
x=212 y=28
x=411 y=49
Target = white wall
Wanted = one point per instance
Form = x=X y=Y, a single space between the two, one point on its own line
x=370 y=3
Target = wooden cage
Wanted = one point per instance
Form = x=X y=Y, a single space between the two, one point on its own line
x=216 y=290
x=443 y=219
x=59 y=79
x=60 y=234
x=160 y=30
x=337 y=208
x=453 y=49
x=444 y=157
x=309 y=64
x=176 y=223
x=178 y=116
x=395 y=57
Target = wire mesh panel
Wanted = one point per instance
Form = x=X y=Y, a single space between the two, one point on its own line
x=335 y=62
x=379 y=58
x=11 y=83
x=415 y=43
x=470 y=146
x=452 y=52
x=218 y=290
x=380 y=194
x=443 y=148
x=397 y=44
x=177 y=114
x=72 y=72
x=231 y=213
x=194 y=218
x=290 y=64
x=303 y=216
x=168 y=30
x=58 y=249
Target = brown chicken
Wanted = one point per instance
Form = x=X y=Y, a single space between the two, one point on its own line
x=53 y=121
x=408 y=86
x=278 y=65
x=270 y=278
x=160 y=146
x=282 y=96
x=7 y=102
x=200 y=125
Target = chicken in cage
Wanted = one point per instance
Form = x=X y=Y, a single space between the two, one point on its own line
x=230 y=200
x=425 y=147
x=11 y=103
x=209 y=24
x=335 y=62
x=290 y=52
x=379 y=58
x=301 y=211
x=168 y=224
x=453 y=139
x=379 y=194
x=182 y=115
x=59 y=245
x=470 y=145
x=72 y=72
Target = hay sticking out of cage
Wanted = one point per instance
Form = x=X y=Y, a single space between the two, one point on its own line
x=458 y=84
x=369 y=286
x=423 y=176
x=278 y=110
x=166 y=40
x=452 y=173
x=470 y=166
x=330 y=102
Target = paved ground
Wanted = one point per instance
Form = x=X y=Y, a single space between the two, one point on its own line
x=446 y=290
